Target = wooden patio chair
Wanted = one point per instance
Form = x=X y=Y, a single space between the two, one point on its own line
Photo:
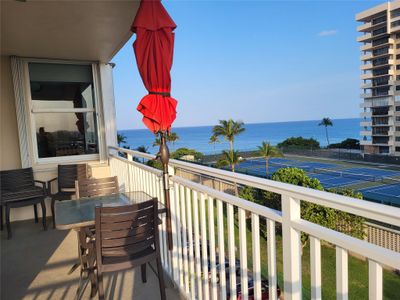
x=66 y=176
x=96 y=187
x=18 y=189
x=127 y=237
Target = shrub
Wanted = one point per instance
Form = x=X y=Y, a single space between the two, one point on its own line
x=178 y=153
x=299 y=142
x=347 y=144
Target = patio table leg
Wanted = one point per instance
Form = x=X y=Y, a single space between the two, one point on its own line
x=87 y=259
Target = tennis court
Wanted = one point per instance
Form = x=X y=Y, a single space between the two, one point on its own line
x=388 y=194
x=373 y=172
x=329 y=181
x=333 y=175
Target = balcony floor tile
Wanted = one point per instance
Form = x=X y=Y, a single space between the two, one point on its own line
x=35 y=265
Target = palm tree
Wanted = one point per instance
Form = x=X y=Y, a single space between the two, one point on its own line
x=228 y=129
x=157 y=142
x=326 y=122
x=267 y=151
x=213 y=140
x=172 y=137
x=121 y=139
x=142 y=149
x=230 y=158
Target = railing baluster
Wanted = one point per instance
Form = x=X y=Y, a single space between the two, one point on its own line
x=197 y=244
x=190 y=241
x=243 y=253
x=375 y=280
x=231 y=250
x=204 y=246
x=191 y=271
x=255 y=233
x=163 y=221
x=342 y=290
x=221 y=249
x=174 y=225
x=211 y=237
x=291 y=248
x=271 y=245
x=315 y=266
x=178 y=231
x=184 y=238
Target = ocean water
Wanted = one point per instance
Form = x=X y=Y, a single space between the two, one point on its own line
x=198 y=137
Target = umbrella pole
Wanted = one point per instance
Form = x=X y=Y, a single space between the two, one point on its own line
x=164 y=157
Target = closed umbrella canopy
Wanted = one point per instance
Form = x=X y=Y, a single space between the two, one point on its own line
x=154 y=47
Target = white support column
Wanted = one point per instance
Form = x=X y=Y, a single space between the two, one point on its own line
x=272 y=275
x=204 y=248
x=211 y=239
x=197 y=245
x=315 y=265
x=342 y=277
x=291 y=249
x=375 y=280
x=255 y=233
x=221 y=249
x=243 y=253
x=231 y=251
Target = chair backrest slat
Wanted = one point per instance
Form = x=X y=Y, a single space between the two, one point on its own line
x=14 y=180
x=67 y=174
x=126 y=231
x=96 y=187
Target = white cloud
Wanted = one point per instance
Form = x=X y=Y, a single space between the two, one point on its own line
x=327 y=32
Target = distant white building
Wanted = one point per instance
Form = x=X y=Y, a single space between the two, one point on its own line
x=380 y=133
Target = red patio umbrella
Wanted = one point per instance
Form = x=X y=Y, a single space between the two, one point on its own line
x=154 y=47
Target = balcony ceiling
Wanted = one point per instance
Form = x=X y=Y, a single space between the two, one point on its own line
x=78 y=30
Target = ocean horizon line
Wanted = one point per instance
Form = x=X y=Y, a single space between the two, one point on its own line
x=255 y=123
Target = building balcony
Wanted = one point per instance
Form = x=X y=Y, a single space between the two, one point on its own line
x=366 y=66
x=377 y=95
x=366 y=47
x=364 y=27
x=365 y=143
x=214 y=233
x=366 y=123
x=367 y=85
x=366 y=114
x=366 y=76
x=367 y=56
x=365 y=133
x=364 y=37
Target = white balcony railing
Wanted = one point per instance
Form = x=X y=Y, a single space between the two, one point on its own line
x=200 y=231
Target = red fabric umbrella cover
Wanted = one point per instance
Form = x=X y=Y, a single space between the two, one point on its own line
x=154 y=47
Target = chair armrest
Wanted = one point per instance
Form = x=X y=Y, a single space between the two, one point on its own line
x=49 y=184
x=44 y=185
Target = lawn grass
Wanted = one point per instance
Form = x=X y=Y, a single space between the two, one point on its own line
x=357 y=269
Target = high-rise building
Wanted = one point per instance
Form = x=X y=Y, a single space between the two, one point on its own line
x=380 y=67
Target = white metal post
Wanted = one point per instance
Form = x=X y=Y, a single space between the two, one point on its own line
x=291 y=248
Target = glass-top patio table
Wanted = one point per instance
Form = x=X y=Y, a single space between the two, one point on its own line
x=79 y=215
x=75 y=214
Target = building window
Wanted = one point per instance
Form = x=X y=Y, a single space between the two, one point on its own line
x=63 y=110
x=395 y=13
x=397 y=149
x=395 y=24
x=397 y=108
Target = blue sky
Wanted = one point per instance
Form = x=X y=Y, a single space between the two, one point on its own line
x=257 y=61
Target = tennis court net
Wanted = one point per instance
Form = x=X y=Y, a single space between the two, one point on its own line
x=390 y=180
x=333 y=173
